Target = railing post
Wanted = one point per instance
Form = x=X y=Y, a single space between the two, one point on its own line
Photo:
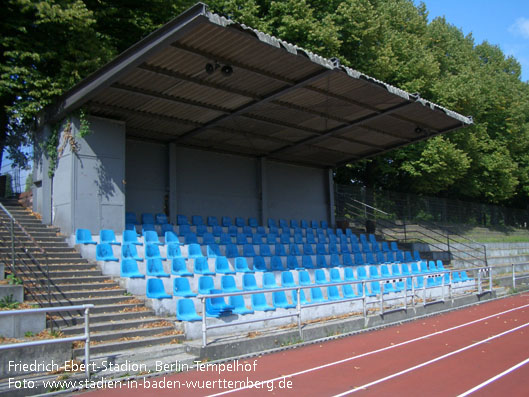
x=87 y=342
x=364 y=303
x=382 y=300
x=12 y=232
x=298 y=293
x=405 y=235
x=485 y=252
x=412 y=292
x=450 y=285
x=513 y=278
x=479 y=281
x=443 y=286
x=405 y=297
x=204 y=327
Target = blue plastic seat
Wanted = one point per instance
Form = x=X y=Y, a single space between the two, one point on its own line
x=370 y=259
x=320 y=277
x=316 y=295
x=440 y=265
x=348 y=291
x=191 y=238
x=284 y=238
x=128 y=251
x=279 y=300
x=241 y=265
x=359 y=259
x=335 y=261
x=222 y=265
x=321 y=261
x=182 y=220
x=171 y=237
x=227 y=284
x=107 y=236
x=208 y=238
x=304 y=278
x=310 y=238
x=259 y=264
x=129 y=269
x=83 y=236
x=216 y=230
x=373 y=272
x=179 y=267
x=212 y=221
x=464 y=276
x=294 y=224
x=279 y=250
x=226 y=221
x=130 y=237
x=415 y=268
x=320 y=249
x=217 y=307
x=287 y=279
x=196 y=220
x=334 y=276
x=298 y=239
x=431 y=267
x=395 y=270
x=405 y=269
x=271 y=238
x=322 y=239
x=184 y=230
x=271 y=223
x=430 y=282
x=399 y=256
x=306 y=262
x=419 y=282
x=292 y=262
x=181 y=288
x=152 y=251
x=269 y=281
x=201 y=266
x=257 y=239
x=347 y=260
x=355 y=248
x=200 y=230
x=232 y=251
x=416 y=256
x=104 y=253
x=361 y=273
x=276 y=264
x=239 y=222
x=344 y=248
x=130 y=217
x=185 y=311
x=249 y=283
x=349 y=274
x=247 y=231
x=205 y=285
x=237 y=301
x=380 y=257
x=194 y=251
x=384 y=271
x=161 y=219
x=252 y=222
x=333 y=294
x=375 y=288
x=150 y=237
x=241 y=239
x=293 y=249
x=333 y=249
x=259 y=303
x=148 y=227
x=212 y=251
x=167 y=227
x=156 y=290
x=264 y=250
x=302 y=298
x=155 y=268
x=423 y=267
x=232 y=230
x=248 y=250
x=147 y=218
x=456 y=278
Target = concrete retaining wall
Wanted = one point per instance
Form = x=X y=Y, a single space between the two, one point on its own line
x=16 y=325
x=17 y=291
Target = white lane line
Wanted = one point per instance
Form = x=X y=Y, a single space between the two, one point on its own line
x=376 y=382
x=371 y=352
x=494 y=378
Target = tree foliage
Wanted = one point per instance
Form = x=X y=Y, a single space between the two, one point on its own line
x=48 y=46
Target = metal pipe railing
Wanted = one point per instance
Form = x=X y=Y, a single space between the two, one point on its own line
x=362 y=297
x=85 y=337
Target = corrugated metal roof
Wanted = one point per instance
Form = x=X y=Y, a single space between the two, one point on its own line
x=280 y=101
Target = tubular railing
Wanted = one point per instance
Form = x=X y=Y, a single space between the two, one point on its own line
x=411 y=295
x=85 y=337
x=25 y=266
x=427 y=233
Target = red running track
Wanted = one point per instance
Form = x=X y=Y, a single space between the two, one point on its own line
x=485 y=346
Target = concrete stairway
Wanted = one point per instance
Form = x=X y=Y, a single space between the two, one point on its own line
x=118 y=322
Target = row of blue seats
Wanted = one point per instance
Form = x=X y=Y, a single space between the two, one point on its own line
x=197 y=220
x=217 y=307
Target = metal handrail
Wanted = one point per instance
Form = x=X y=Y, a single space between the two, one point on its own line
x=85 y=336
x=362 y=297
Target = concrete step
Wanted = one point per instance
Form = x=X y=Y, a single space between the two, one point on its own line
x=55 y=266
x=105 y=314
x=77 y=287
x=81 y=279
x=120 y=345
x=125 y=323
x=90 y=293
x=95 y=300
x=56 y=274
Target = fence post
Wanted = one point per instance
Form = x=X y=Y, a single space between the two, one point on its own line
x=87 y=342
x=12 y=232
x=364 y=303
x=204 y=327
x=513 y=278
x=479 y=281
x=298 y=293
x=412 y=292
x=490 y=279
x=382 y=300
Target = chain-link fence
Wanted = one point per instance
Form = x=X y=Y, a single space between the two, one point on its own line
x=413 y=208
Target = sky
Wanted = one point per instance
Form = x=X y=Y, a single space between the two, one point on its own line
x=501 y=22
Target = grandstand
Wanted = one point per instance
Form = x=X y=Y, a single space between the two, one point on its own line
x=205 y=186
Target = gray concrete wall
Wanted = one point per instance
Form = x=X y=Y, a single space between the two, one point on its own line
x=41 y=181
x=214 y=184
x=296 y=192
x=87 y=190
x=147 y=176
